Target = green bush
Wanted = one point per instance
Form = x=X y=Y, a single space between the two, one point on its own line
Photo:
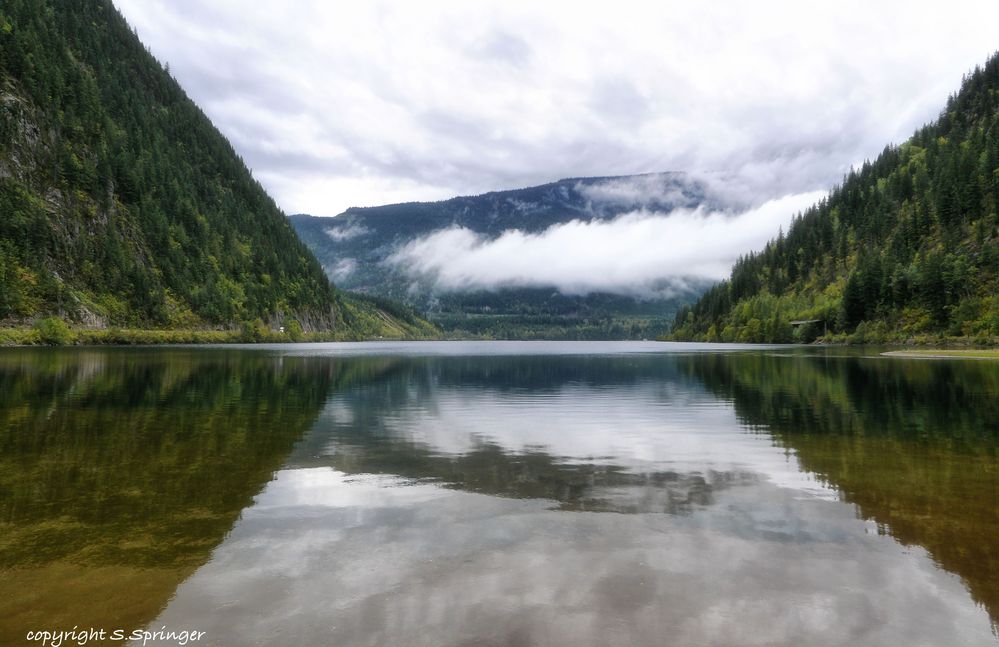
x=807 y=333
x=18 y=336
x=294 y=330
x=54 y=332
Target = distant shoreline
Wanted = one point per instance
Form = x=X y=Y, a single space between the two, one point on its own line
x=938 y=353
x=32 y=337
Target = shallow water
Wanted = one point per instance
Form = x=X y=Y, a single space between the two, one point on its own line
x=492 y=493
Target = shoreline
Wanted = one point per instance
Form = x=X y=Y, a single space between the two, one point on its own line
x=33 y=338
x=36 y=336
x=943 y=353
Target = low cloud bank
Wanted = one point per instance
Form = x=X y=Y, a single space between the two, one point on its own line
x=340 y=234
x=640 y=253
x=343 y=269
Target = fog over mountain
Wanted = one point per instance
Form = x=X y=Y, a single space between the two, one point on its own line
x=641 y=253
x=640 y=244
x=578 y=236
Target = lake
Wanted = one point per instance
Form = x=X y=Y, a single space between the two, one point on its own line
x=500 y=493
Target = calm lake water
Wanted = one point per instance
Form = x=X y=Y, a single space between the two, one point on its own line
x=492 y=493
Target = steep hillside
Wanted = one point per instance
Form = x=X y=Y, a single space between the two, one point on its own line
x=367 y=317
x=356 y=249
x=908 y=246
x=120 y=203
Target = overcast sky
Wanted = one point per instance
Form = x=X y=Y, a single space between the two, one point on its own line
x=336 y=104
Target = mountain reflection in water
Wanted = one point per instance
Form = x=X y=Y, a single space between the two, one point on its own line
x=569 y=494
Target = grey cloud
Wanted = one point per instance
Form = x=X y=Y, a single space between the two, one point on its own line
x=503 y=47
x=344 y=268
x=454 y=127
x=350 y=104
x=619 y=102
x=346 y=232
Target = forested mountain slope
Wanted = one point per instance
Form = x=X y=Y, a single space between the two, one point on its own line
x=120 y=203
x=908 y=245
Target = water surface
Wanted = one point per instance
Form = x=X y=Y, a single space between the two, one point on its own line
x=531 y=493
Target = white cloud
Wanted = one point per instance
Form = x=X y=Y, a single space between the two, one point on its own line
x=340 y=104
x=343 y=269
x=346 y=232
x=637 y=191
x=640 y=252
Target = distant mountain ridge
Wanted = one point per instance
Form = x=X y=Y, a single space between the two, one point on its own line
x=363 y=232
x=355 y=247
x=533 y=209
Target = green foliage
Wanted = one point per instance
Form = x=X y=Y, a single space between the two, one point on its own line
x=132 y=208
x=364 y=321
x=294 y=330
x=54 y=332
x=610 y=326
x=908 y=245
x=253 y=331
x=376 y=318
x=542 y=313
x=125 y=337
x=18 y=337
